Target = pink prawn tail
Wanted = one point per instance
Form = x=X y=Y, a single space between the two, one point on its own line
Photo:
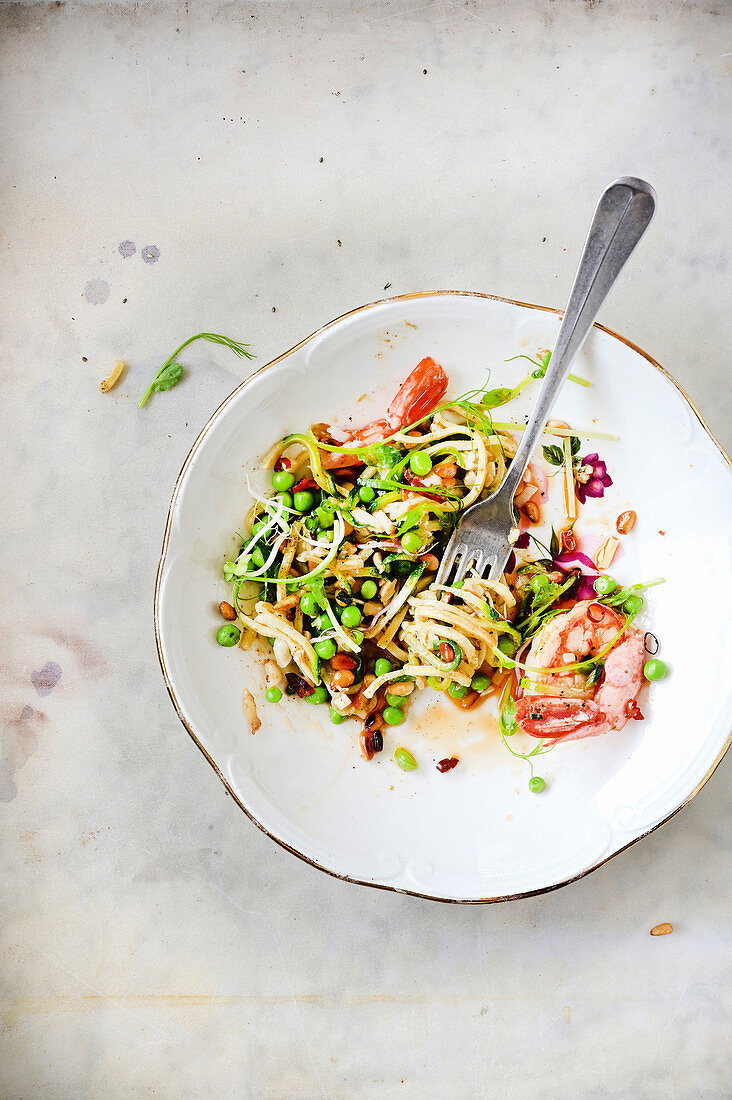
x=371 y=433
x=557 y=719
x=418 y=395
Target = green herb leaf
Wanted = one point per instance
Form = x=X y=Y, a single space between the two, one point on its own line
x=493 y=398
x=167 y=377
x=554 y=544
x=171 y=372
x=575 y=443
x=553 y=454
x=507 y=723
x=596 y=674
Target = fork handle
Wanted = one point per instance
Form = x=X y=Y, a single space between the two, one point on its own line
x=623 y=214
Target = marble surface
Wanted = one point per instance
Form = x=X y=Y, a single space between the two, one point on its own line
x=257 y=169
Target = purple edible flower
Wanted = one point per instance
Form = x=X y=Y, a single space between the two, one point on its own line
x=592 y=478
x=521 y=543
x=573 y=561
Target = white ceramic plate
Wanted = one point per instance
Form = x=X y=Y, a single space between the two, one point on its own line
x=476 y=833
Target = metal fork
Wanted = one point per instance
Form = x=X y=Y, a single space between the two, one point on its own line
x=622 y=216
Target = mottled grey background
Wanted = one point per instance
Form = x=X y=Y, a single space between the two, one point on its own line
x=257 y=169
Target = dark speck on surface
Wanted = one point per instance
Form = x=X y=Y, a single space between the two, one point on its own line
x=126 y=248
x=321 y=160
x=150 y=254
x=386 y=286
x=46 y=679
x=274 y=309
x=84 y=359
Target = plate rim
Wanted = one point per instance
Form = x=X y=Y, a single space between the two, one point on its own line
x=163 y=558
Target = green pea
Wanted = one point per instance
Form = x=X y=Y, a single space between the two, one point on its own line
x=304 y=500
x=325 y=516
x=436 y=683
x=395 y=700
x=382 y=667
x=257 y=557
x=282 y=480
x=457 y=691
x=259 y=526
x=322 y=623
x=632 y=605
x=405 y=760
x=655 y=669
x=412 y=542
x=335 y=717
x=320 y=695
x=506 y=645
x=420 y=463
x=286 y=499
x=539 y=583
x=325 y=649
x=366 y=494
x=228 y=635
x=357 y=636
x=273 y=694
x=351 y=616
x=393 y=716
x=536 y=784
x=369 y=589
x=312 y=523
x=308 y=604
x=605 y=585
x=480 y=681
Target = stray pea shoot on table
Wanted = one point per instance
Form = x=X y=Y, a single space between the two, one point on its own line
x=171 y=372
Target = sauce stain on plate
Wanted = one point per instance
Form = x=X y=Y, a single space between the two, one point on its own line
x=470 y=735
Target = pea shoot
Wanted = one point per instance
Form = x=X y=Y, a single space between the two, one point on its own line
x=171 y=372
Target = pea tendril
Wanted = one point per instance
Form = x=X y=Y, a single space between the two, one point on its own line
x=171 y=372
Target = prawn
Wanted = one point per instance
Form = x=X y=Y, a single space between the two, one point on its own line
x=564 y=706
x=417 y=396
